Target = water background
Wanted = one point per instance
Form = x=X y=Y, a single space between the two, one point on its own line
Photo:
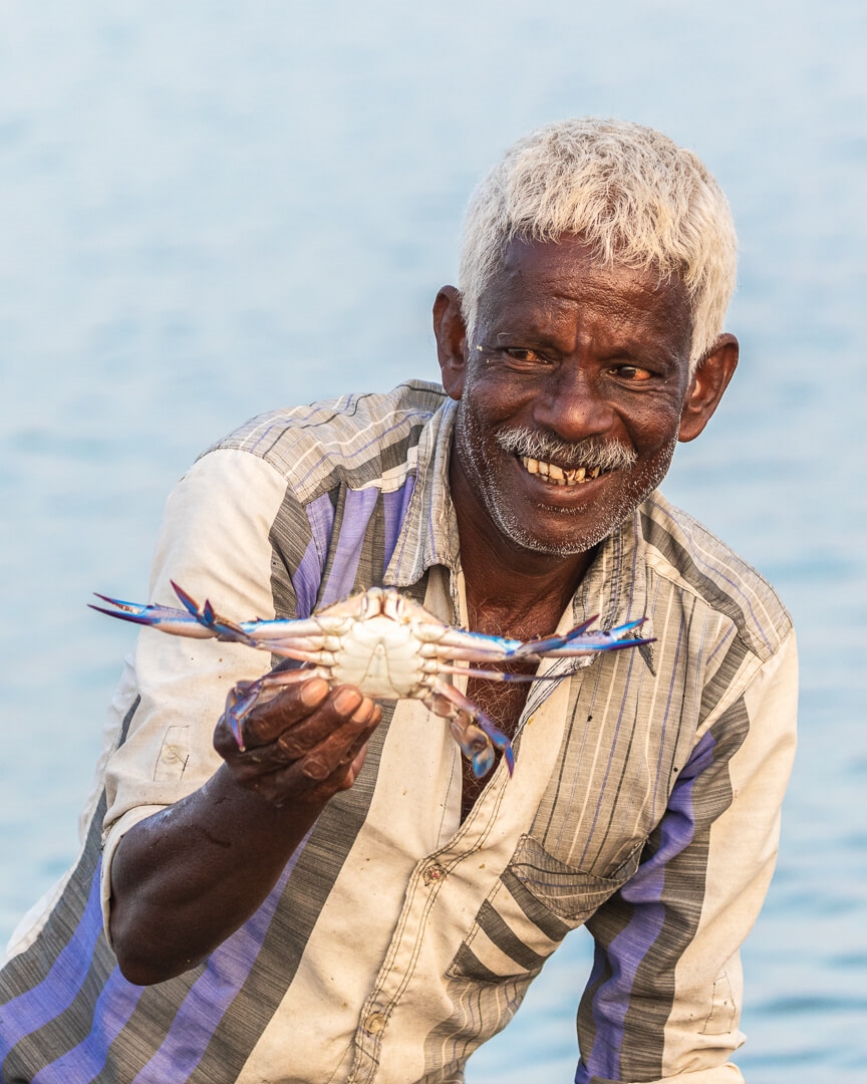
x=211 y=209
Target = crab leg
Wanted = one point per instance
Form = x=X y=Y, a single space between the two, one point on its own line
x=164 y=618
x=461 y=645
x=581 y=642
x=452 y=643
x=302 y=638
x=476 y=742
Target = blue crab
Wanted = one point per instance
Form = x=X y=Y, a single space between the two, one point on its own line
x=388 y=646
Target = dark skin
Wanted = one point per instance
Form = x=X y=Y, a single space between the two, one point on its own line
x=571 y=349
x=563 y=347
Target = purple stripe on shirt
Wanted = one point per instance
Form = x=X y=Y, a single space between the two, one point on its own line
x=357 y=510
x=114 y=1006
x=194 y=1023
x=394 y=506
x=34 y=1009
x=628 y=950
x=213 y=993
x=308 y=575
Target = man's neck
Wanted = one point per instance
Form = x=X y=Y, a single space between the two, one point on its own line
x=510 y=590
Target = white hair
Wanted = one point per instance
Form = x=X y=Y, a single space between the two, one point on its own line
x=631 y=193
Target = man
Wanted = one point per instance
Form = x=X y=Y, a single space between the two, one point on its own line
x=343 y=900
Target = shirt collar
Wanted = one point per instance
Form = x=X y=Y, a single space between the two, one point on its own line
x=429 y=535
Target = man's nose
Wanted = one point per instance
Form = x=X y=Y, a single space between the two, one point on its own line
x=572 y=405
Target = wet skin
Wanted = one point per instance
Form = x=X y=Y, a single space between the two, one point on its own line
x=562 y=347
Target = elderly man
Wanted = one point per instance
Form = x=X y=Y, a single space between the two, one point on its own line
x=343 y=900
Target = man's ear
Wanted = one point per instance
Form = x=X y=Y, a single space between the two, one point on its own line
x=707 y=386
x=451 y=335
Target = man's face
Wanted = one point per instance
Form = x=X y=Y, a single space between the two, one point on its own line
x=571 y=396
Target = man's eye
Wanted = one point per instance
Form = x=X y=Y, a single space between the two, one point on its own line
x=522 y=353
x=632 y=373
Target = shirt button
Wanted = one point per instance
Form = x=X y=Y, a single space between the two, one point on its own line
x=433 y=873
x=374 y=1024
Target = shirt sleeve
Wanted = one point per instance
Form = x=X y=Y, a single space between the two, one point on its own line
x=664 y=997
x=216 y=543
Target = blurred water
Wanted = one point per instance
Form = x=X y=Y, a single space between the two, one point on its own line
x=211 y=209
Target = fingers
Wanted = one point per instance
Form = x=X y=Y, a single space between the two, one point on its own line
x=315 y=778
x=304 y=744
x=271 y=716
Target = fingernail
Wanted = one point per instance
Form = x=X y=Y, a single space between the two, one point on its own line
x=313 y=692
x=364 y=711
x=347 y=700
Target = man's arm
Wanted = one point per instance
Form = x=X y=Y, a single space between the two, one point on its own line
x=664 y=998
x=194 y=843
x=186 y=878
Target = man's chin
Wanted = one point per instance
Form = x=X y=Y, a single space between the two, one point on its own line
x=567 y=538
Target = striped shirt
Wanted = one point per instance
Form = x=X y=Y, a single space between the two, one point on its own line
x=644 y=804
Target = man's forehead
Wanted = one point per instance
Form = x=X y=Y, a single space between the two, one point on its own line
x=568 y=271
x=569 y=255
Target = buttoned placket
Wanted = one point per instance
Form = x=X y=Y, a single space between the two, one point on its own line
x=431 y=875
x=428 y=879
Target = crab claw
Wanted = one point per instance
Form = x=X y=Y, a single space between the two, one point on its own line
x=583 y=641
x=239 y=701
x=617 y=637
x=499 y=739
x=549 y=643
x=475 y=745
x=164 y=618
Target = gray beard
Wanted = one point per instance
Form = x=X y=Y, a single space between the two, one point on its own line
x=592 y=452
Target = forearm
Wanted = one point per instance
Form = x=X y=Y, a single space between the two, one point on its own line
x=185 y=879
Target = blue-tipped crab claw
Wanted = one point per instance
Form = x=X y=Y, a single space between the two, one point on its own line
x=498 y=739
x=582 y=641
x=208 y=618
x=191 y=621
x=166 y=618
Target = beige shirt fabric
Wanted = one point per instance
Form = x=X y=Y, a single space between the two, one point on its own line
x=645 y=800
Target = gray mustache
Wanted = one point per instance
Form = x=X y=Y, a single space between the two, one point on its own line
x=590 y=453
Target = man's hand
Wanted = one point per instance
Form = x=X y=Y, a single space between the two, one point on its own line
x=303 y=746
x=186 y=878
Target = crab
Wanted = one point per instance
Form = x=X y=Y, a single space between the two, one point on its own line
x=389 y=647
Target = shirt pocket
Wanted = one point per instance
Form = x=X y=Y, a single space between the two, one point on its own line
x=536 y=901
x=567 y=892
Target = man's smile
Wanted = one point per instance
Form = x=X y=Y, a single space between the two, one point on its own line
x=560 y=464
x=553 y=475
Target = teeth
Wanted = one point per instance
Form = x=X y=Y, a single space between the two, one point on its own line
x=556 y=475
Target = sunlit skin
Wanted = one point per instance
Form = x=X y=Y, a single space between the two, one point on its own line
x=566 y=347
x=562 y=346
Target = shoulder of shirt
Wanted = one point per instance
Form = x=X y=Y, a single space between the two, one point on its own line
x=681 y=549
x=354 y=439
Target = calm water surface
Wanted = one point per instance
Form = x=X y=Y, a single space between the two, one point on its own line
x=212 y=209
